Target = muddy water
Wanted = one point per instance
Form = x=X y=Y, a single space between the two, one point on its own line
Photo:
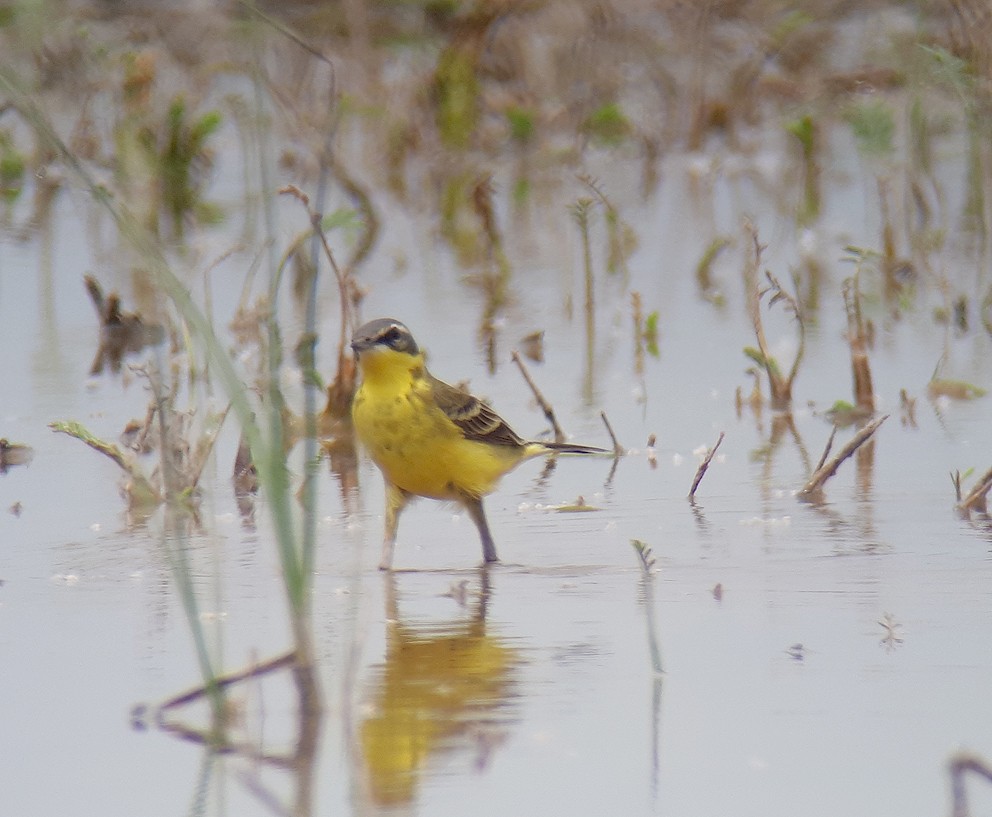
x=815 y=658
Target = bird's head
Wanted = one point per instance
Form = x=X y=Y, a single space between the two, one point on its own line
x=385 y=345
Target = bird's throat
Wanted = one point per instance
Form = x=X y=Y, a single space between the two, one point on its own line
x=387 y=371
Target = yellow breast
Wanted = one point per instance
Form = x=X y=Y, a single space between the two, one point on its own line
x=416 y=446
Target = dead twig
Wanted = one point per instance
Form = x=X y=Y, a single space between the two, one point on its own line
x=958 y=766
x=779 y=384
x=857 y=339
x=222 y=681
x=977 y=498
x=826 y=450
x=811 y=489
x=701 y=471
x=342 y=389
x=139 y=490
x=546 y=407
x=618 y=450
x=638 y=315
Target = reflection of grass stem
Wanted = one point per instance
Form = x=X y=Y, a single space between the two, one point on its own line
x=647 y=589
x=654 y=648
x=176 y=545
x=857 y=340
x=638 y=315
x=496 y=275
x=618 y=234
x=581 y=213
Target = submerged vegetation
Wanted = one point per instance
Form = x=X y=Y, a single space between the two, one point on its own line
x=502 y=135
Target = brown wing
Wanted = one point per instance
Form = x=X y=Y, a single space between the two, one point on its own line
x=475 y=419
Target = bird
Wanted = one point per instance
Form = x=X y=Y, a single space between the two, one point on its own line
x=428 y=438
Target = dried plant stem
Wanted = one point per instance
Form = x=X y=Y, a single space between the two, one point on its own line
x=546 y=407
x=701 y=471
x=638 y=314
x=141 y=490
x=616 y=260
x=816 y=482
x=582 y=212
x=977 y=498
x=618 y=450
x=857 y=339
x=779 y=384
x=826 y=449
x=363 y=204
x=958 y=766
x=254 y=671
x=342 y=277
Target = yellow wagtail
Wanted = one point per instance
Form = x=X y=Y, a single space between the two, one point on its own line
x=428 y=438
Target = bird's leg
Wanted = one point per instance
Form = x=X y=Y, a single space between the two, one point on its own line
x=396 y=500
x=475 y=510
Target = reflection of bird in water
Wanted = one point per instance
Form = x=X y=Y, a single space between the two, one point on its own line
x=428 y=438
x=443 y=688
x=120 y=332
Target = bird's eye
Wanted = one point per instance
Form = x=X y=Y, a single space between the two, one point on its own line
x=391 y=335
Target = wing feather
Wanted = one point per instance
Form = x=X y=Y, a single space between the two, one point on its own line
x=475 y=419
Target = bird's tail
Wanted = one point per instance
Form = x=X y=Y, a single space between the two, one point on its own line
x=574 y=448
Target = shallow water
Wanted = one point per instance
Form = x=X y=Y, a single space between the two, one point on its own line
x=532 y=686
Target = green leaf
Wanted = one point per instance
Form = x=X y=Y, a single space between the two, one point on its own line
x=521 y=123
x=651 y=333
x=607 y=125
x=765 y=363
x=874 y=128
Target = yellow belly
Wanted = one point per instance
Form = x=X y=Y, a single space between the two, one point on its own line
x=420 y=450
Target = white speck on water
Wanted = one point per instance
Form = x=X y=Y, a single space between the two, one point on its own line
x=773 y=522
x=759 y=764
x=68 y=579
